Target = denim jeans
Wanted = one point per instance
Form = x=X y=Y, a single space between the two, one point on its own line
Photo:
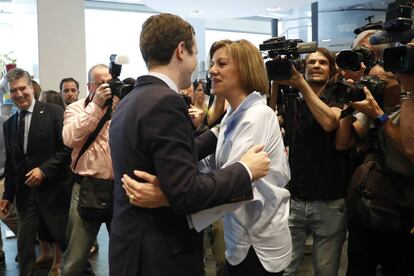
x=80 y=235
x=326 y=221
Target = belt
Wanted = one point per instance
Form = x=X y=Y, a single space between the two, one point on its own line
x=78 y=178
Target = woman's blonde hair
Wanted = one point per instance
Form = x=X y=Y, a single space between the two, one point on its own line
x=249 y=63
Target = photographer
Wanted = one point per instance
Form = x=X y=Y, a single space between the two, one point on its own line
x=80 y=120
x=316 y=186
x=378 y=236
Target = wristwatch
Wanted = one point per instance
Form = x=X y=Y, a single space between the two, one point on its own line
x=380 y=120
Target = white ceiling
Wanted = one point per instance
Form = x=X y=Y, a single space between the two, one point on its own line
x=222 y=8
x=248 y=8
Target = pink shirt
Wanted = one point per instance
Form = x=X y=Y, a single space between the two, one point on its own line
x=79 y=122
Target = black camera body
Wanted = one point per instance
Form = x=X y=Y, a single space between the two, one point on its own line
x=399 y=59
x=398 y=23
x=118 y=88
x=398 y=16
x=351 y=59
x=354 y=92
x=279 y=68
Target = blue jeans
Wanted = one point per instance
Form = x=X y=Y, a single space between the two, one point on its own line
x=326 y=221
x=81 y=235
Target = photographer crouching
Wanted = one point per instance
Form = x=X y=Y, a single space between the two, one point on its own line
x=317 y=181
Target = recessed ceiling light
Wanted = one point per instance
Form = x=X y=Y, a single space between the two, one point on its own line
x=196 y=12
x=274 y=9
x=326 y=40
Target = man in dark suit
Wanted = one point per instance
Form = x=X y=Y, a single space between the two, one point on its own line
x=37 y=168
x=152 y=131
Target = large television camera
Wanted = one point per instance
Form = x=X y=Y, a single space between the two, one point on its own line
x=397 y=28
x=118 y=88
x=282 y=53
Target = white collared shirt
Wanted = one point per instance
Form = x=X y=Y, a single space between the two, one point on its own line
x=262 y=222
x=27 y=121
x=171 y=84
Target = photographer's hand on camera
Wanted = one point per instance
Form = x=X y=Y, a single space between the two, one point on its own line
x=326 y=116
x=354 y=75
x=297 y=80
x=102 y=93
x=369 y=106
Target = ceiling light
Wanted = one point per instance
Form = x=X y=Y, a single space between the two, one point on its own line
x=326 y=40
x=196 y=12
x=274 y=9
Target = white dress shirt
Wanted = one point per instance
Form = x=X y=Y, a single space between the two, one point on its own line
x=262 y=222
x=27 y=121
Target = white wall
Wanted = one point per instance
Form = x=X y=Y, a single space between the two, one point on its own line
x=61 y=27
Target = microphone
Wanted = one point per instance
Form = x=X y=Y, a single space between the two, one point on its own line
x=121 y=59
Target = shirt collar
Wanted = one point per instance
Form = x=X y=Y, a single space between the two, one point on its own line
x=171 y=84
x=31 y=107
x=252 y=99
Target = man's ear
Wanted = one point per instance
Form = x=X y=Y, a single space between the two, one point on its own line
x=180 y=50
x=89 y=84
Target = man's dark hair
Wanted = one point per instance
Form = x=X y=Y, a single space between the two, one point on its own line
x=161 y=35
x=331 y=60
x=17 y=74
x=68 y=80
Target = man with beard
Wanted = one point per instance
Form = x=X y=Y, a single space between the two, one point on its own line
x=69 y=89
x=317 y=182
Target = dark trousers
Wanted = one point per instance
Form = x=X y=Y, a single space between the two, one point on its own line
x=368 y=248
x=44 y=233
x=251 y=265
x=29 y=217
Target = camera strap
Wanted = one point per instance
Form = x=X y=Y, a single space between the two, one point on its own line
x=94 y=134
x=346 y=112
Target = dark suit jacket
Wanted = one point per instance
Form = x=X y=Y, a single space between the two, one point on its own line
x=45 y=149
x=151 y=131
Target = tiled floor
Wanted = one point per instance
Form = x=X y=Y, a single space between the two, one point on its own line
x=100 y=262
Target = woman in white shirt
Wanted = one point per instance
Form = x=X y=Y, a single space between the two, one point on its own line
x=257 y=236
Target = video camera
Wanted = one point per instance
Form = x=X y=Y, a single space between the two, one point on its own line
x=397 y=28
x=351 y=59
x=118 y=88
x=279 y=67
x=354 y=92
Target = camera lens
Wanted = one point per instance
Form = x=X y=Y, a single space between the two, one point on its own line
x=348 y=60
